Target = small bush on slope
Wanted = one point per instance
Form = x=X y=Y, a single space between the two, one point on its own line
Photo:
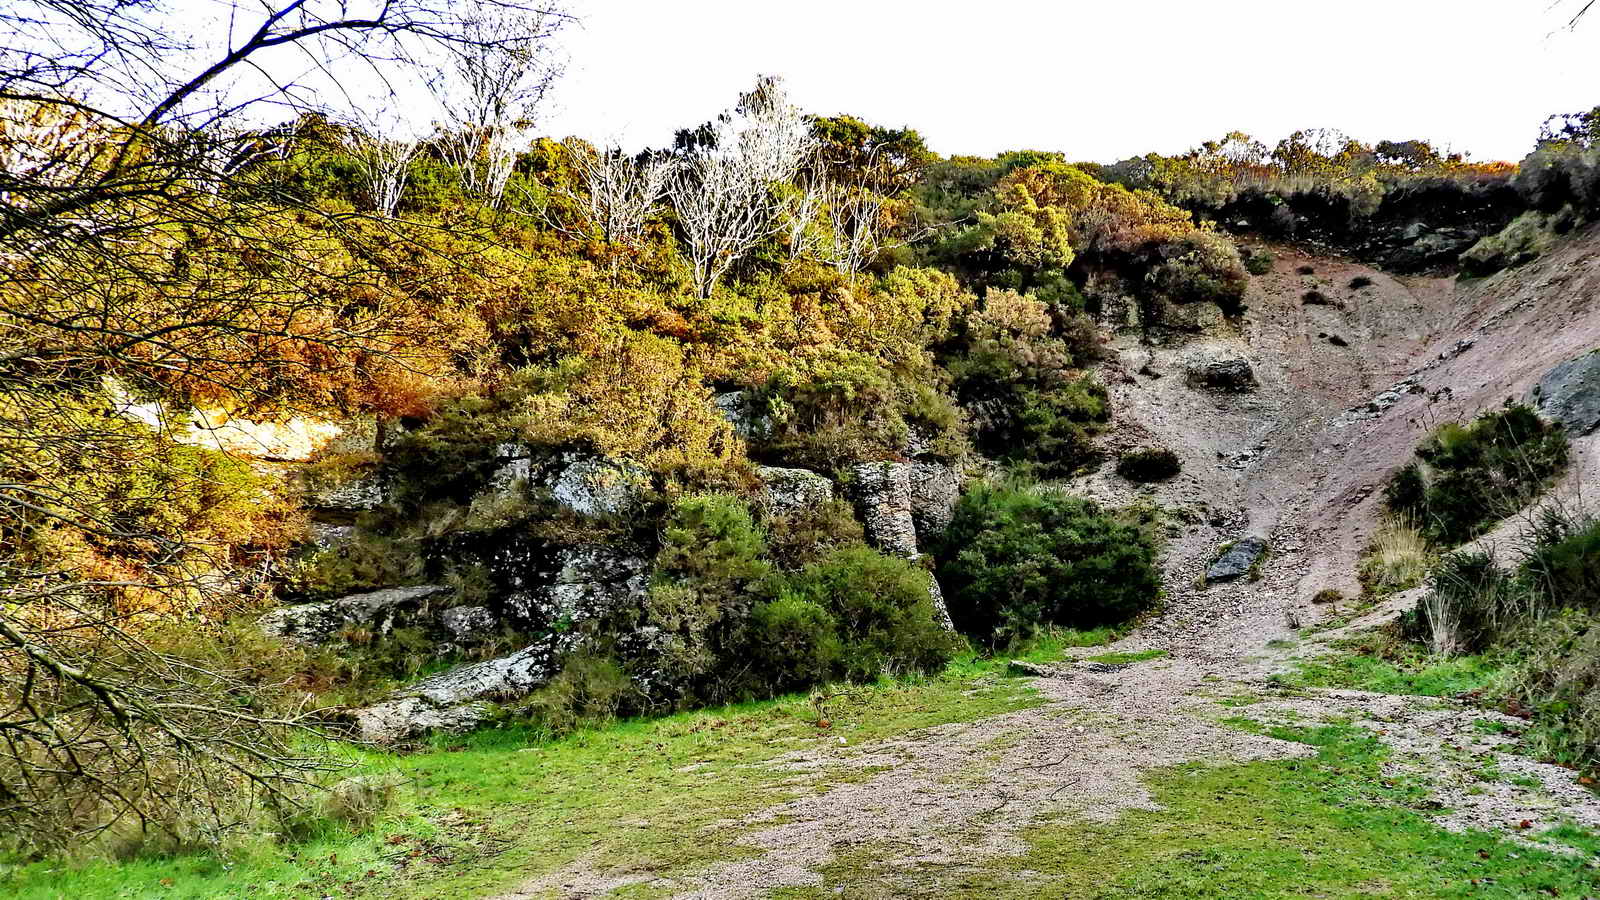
x=1149 y=464
x=1398 y=558
x=1471 y=476
x=1021 y=377
x=1015 y=558
x=1544 y=617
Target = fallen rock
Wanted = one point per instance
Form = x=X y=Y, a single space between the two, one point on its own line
x=786 y=490
x=1237 y=560
x=457 y=699
x=378 y=612
x=1234 y=375
x=1569 y=394
x=1023 y=667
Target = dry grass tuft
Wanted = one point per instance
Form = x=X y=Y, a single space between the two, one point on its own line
x=1399 y=557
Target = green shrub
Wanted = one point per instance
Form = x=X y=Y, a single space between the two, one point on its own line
x=1555 y=676
x=803 y=536
x=1527 y=237
x=884 y=609
x=1149 y=464
x=1470 y=600
x=710 y=572
x=1359 y=282
x=1016 y=558
x=591 y=689
x=1471 y=476
x=1019 y=375
x=794 y=643
x=1259 y=262
x=1563 y=564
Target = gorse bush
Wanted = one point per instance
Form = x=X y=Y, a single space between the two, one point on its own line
x=725 y=623
x=883 y=609
x=1020 y=377
x=1470 y=476
x=1017 y=557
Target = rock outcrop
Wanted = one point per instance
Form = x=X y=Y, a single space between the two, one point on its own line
x=739 y=408
x=593 y=486
x=469 y=625
x=935 y=488
x=1569 y=394
x=882 y=495
x=1237 y=560
x=359 y=493
x=786 y=490
x=591 y=581
x=378 y=612
x=904 y=505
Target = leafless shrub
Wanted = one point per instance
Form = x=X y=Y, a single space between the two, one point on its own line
x=621 y=192
x=491 y=86
x=723 y=192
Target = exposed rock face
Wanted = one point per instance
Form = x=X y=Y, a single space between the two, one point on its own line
x=593 y=580
x=593 y=486
x=940 y=609
x=469 y=624
x=1570 y=394
x=365 y=492
x=935 y=488
x=378 y=612
x=786 y=490
x=738 y=407
x=1238 y=560
x=518 y=467
x=1233 y=374
x=326 y=536
x=456 y=700
x=882 y=494
x=904 y=504
x=590 y=581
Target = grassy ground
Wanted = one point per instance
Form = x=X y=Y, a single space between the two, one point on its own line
x=491 y=810
x=1330 y=826
x=484 y=813
x=1375 y=662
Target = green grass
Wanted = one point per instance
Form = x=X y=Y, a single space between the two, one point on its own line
x=1329 y=826
x=1385 y=665
x=1119 y=659
x=488 y=811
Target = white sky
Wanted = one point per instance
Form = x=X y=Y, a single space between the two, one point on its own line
x=1099 y=80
